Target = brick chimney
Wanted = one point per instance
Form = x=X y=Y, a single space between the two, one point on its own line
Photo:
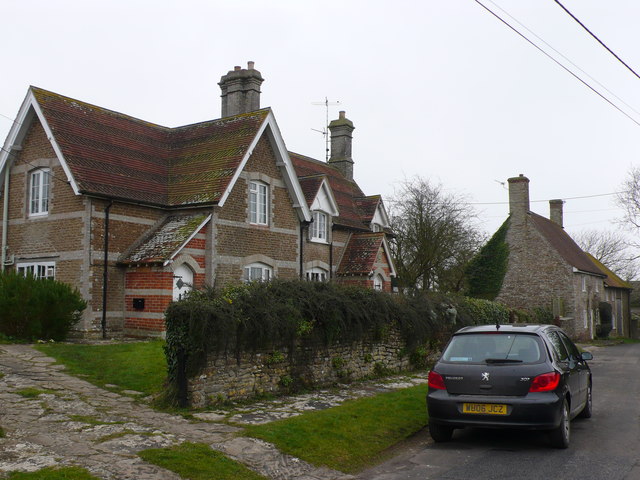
x=341 y=135
x=555 y=211
x=240 y=90
x=518 y=199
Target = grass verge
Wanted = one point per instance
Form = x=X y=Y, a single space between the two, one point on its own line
x=196 y=461
x=351 y=436
x=138 y=366
x=66 y=473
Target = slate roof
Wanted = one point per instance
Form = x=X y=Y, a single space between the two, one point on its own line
x=564 y=244
x=346 y=192
x=612 y=279
x=114 y=155
x=360 y=254
x=164 y=241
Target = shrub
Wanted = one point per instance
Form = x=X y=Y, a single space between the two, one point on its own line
x=37 y=308
x=298 y=316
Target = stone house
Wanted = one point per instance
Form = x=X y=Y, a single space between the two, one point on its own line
x=135 y=214
x=547 y=269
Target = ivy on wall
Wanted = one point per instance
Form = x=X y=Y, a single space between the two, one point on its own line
x=298 y=315
x=486 y=271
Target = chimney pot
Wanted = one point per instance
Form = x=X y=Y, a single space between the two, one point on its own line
x=555 y=212
x=240 y=90
x=342 y=114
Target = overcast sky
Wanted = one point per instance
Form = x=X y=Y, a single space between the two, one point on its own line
x=440 y=89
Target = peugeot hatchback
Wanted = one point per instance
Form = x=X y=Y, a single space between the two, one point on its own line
x=509 y=376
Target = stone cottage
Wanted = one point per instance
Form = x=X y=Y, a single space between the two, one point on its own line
x=547 y=269
x=135 y=214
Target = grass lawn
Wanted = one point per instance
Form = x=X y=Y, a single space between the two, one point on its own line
x=139 y=366
x=66 y=473
x=196 y=461
x=353 y=435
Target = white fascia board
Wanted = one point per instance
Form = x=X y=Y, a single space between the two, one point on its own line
x=184 y=244
x=592 y=274
x=18 y=131
x=380 y=216
x=325 y=200
x=282 y=160
x=387 y=250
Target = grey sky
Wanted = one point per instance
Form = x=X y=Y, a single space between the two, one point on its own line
x=438 y=89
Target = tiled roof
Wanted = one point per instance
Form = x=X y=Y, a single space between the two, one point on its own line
x=115 y=155
x=612 y=279
x=564 y=244
x=346 y=192
x=165 y=240
x=368 y=206
x=361 y=253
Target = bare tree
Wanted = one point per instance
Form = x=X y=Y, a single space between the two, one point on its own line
x=612 y=249
x=435 y=236
x=629 y=198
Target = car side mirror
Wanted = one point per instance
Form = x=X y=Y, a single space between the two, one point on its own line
x=586 y=356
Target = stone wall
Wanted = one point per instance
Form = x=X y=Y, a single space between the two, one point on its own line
x=229 y=378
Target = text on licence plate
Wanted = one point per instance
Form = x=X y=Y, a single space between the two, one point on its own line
x=484 y=408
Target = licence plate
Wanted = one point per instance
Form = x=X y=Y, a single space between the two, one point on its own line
x=484 y=408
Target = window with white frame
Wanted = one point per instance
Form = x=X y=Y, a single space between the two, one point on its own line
x=39 y=192
x=38 y=269
x=319 y=227
x=317 y=274
x=585 y=316
x=258 y=203
x=584 y=283
x=378 y=282
x=257 y=272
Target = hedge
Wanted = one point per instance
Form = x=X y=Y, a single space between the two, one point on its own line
x=32 y=308
x=288 y=314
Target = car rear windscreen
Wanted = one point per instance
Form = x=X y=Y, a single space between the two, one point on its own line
x=494 y=347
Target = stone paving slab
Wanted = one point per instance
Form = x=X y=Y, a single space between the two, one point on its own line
x=76 y=423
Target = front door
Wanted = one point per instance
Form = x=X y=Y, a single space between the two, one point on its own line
x=182 y=281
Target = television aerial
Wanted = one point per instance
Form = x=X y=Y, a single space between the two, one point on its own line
x=325 y=130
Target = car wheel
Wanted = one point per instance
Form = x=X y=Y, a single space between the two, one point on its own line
x=440 y=433
x=586 y=411
x=560 y=436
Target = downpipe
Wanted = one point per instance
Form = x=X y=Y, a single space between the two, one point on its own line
x=105 y=273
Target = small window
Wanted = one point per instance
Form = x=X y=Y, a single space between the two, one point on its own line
x=378 y=282
x=319 y=227
x=558 y=347
x=39 y=270
x=258 y=204
x=257 y=272
x=317 y=274
x=597 y=285
x=39 y=192
x=584 y=283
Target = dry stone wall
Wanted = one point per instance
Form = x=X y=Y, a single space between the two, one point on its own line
x=231 y=378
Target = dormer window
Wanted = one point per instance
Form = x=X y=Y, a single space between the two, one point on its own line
x=39 y=192
x=319 y=227
x=258 y=203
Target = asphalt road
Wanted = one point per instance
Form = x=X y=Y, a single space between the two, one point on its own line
x=605 y=446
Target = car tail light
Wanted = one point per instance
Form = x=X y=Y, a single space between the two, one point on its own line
x=545 y=382
x=436 y=381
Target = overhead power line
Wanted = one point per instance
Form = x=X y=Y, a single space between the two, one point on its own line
x=596 y=38
x=564 y=67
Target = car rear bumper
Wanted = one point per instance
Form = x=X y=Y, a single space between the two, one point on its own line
x=539 y=411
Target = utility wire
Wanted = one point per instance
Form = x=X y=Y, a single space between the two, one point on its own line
x=557 y=62
x=563 y=56
x=596 y=37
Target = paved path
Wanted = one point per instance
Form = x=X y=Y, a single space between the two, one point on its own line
x=76 y=423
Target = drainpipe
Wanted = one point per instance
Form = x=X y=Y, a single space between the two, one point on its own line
x=303 y=224
x=5 y=219
x=105 y=272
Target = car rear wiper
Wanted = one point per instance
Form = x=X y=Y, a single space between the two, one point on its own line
x=502 y=360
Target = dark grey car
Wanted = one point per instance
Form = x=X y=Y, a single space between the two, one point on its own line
x=509 y=376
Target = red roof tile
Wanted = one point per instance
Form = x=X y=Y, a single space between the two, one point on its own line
x=115 y=155
x=360 y=254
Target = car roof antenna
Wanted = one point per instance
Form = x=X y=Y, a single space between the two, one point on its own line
x=497 y=324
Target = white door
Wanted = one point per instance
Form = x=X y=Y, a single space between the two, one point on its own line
x=182 y=281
